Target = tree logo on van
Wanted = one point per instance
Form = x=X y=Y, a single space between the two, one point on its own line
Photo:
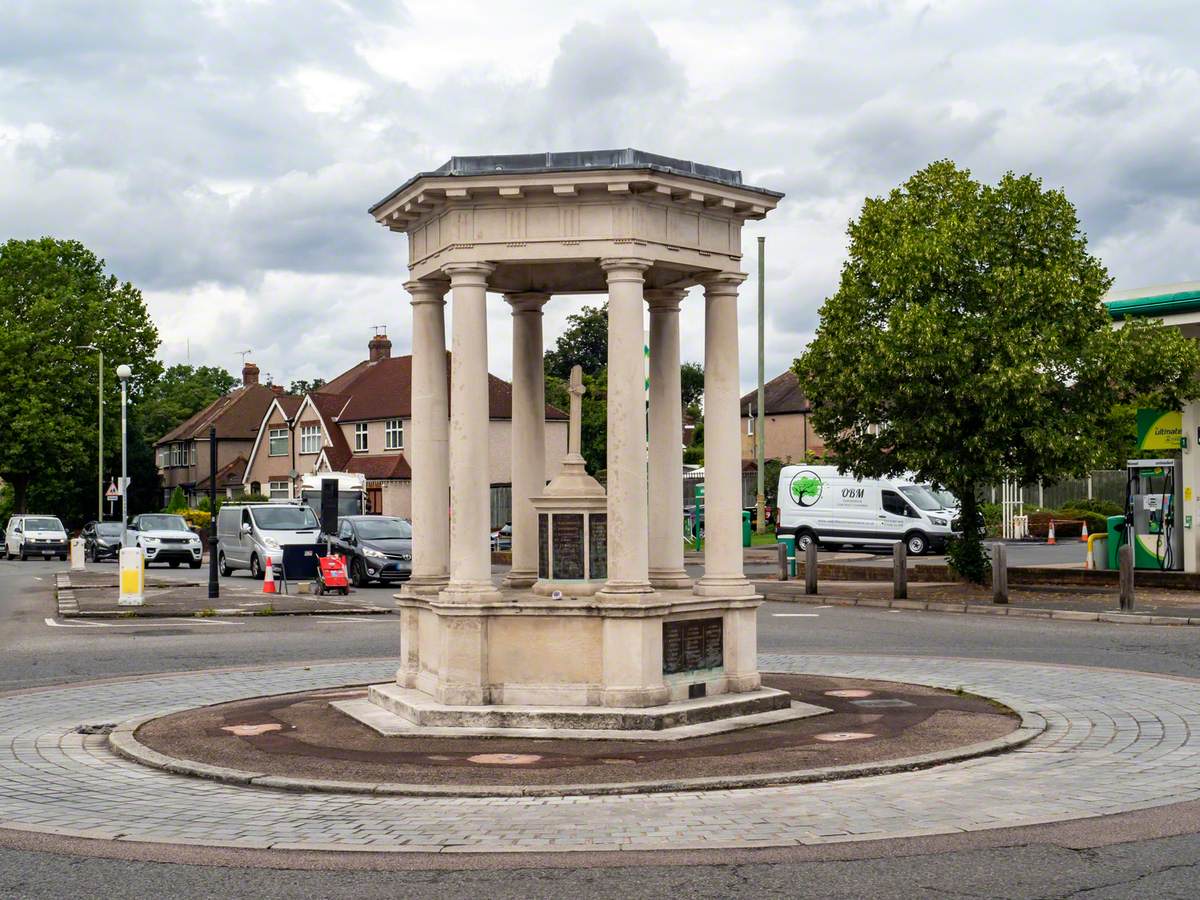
x=806 y=487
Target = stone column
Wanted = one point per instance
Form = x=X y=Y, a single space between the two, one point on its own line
x=723 y=575
x=470 y=501
x=628 y=560
x=666 y=443
x=427 y=446
x=528 y=435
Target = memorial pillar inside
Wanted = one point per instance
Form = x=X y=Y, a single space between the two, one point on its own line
x=528 y=435
x=470 y=501
x=666 y=443
x=723 y=574
x=628 y=559
x=428 y=447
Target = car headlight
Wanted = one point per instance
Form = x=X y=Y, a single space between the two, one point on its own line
x=373 y=553
x=271 y=543
x=195 y=539
x=150 y=541
x=936 y=521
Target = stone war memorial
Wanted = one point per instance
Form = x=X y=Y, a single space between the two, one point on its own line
x=597 y=626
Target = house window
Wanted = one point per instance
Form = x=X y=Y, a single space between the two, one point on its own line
x=393 y=435
x=177 y=455
x=192 y=448
x=360 y=437
x=279 y=490
x=310 y=439
x=277 y=445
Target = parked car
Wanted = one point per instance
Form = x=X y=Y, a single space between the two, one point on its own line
x=377 y=548
x=165 y=537
x=248 y=533
x=502 y=537
x=101 y=540
x=27 y=536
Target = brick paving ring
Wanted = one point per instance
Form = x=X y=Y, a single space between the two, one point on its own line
x=1113 y=742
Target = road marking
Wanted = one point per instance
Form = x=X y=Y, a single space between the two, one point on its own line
x=823 y=607
x=796 y=615
x=362 y=620
x=174 y=623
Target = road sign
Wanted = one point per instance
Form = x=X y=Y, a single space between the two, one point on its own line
x=112 y=493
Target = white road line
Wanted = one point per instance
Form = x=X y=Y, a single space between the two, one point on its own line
x=173 y=623
x=823 y=607
x=796 y=615
x=362 y=620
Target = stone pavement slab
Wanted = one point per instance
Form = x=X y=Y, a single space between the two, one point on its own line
x=1115 y=741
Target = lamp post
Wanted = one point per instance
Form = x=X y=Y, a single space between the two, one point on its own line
x=214 y=588
x=123 y=373
x=100 y=441
x=759 y=443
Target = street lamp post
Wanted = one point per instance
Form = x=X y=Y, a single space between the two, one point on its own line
x=100 y=440
x=759 y=442
x=123 y=373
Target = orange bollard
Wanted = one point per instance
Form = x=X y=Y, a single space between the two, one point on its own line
x=1050 y=538
x=1083 y=536
x=268 y=577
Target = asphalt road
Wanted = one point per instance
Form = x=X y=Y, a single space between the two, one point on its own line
x=33 y=652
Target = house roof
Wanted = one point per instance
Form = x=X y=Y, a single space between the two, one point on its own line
x=230 y=474
x=382 y=389
x=328 y=406
x=782 y=395
x=391 y=465
x=237 y=414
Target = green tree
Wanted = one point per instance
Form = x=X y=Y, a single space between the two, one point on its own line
x=583 y=343
x=967 y=343
x=54 y=297
x=178 y=501
x=691 y=379
x=300 y=387
x=178 y=394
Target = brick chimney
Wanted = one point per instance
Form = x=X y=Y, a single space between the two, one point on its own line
x=249 y=374
x=379 y=348
x=277 y=389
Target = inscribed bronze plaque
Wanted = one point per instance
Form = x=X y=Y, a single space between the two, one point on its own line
x=598 y=545
x=543 y=546
x=693 y=644
x=568 y=546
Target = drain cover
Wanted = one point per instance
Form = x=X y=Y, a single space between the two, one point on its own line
x=880 y=704
x=857 y=692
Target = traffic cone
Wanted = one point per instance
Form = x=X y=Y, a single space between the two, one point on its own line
x=268 y=577
x=1050 y=539
x=1083 y=535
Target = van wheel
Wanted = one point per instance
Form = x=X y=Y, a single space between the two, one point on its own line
x=256 y=571
x=803 y=539
x=917 y=543
x=223 y=566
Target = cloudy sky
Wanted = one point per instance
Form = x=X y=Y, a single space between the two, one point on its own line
x=221 y=154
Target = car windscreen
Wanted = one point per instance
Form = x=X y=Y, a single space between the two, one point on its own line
x=162 y=523
x=284 y=518
x=920 y=497
x=382 y=529
x=949 y=501
x=109 y=529
x=43 y=524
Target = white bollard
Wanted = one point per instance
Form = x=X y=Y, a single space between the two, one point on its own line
x=132 y=577
x=77 y=554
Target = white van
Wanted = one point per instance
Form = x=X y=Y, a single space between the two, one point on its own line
x=42 y=536
x=818 y=504
x=249 y=533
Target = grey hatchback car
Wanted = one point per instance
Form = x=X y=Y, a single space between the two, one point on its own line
x=377 y=548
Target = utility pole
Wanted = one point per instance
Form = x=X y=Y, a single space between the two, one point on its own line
x=214 y=587
x=759 y=436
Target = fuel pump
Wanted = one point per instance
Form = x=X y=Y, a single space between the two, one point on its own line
x=1152 y=489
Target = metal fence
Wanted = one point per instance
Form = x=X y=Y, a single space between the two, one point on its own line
x=1102 y=484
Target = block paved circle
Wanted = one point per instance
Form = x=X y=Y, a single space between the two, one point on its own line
x=1114 y=742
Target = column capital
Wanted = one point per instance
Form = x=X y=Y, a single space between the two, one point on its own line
x=722 y=283
x=469 y=273
x=527 y=301
x=625 y=268
x=423 y=291
x=664 y=299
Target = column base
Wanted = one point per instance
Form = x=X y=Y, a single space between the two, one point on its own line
x=470 y=592
x=520 y=578
x=424 y=585
x=723 y=586
x=626 y=592
x=670 y=579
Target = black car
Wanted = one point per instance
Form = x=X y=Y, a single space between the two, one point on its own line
x=101 y=540
x=377 y=548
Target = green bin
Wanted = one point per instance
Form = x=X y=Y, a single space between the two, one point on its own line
x=789 y=540
x=1116 y=525
x=746 y=530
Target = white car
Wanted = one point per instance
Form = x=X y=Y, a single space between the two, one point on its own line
x=165 y=537
x=27 y=536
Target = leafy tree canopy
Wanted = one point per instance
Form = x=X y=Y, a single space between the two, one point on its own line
x=181 y=392
x=583 y=343
x=54 y=297
x=691 y=378
x=300 y=387
x=967 y=343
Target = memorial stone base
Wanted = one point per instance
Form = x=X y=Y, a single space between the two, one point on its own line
x=659 y=660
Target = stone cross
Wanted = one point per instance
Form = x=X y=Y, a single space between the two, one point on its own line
x=576 y=389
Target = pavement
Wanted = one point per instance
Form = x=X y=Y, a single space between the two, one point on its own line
x=1155 y=851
